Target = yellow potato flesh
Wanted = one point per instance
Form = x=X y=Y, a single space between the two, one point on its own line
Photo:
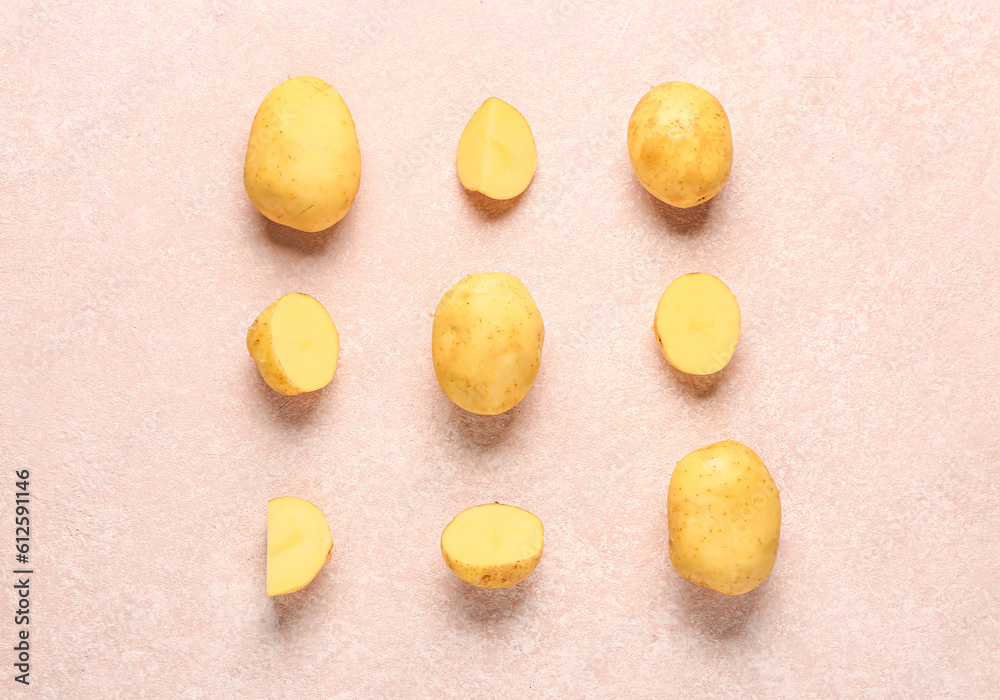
x=294 y=344
x=724 y=518
x=298 y=544
x=487 y=342
x=680 y=144
x=493 y=545
x=697 y=323
x=496 y=153
x=303 y=162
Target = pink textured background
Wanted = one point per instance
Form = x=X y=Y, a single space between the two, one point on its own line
x=858 y=231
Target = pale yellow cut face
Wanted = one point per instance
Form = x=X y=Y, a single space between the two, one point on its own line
x=493 y=545
x=303 y=162
x=697 y=323
x=496 y=154
x=680 y=144
x=298 y=544
x=724 y=517
x=294 y=344
x=487 y=342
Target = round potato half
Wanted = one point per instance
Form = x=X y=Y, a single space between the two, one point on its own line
x=493 y=545
x=697 y=323
x=294 y=344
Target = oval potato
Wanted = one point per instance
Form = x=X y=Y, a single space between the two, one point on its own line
x=680 y=144
x=724 y=518
x=303 y=162
x=487 y=342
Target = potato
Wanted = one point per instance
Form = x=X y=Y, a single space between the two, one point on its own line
x=697 y=323
x=724 y=517
x=294 y=344
x=680 y=144
x=493 y=545
x=487 y=342
x=496 y=153
x=303 y=163
x=298 y=544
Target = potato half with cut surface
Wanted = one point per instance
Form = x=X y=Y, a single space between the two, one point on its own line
x=496 y=153
x=487 y=342
x=697 y=323
x=680 y=144
x=724 y=518
x=493 y=545
x=303 y=162
x=298 y=544
x=294 y=344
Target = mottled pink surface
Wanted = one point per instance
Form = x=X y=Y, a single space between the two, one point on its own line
x=858 y=231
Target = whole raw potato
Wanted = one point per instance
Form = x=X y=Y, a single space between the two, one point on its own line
x=724 y=517
x=303 y=164
x=680 y=144
x=487 y=342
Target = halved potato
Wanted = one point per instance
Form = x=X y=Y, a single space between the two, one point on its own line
x=493 y=545
x=298 y=544
x=496 y=153
x=697 y=323
x=294 y=344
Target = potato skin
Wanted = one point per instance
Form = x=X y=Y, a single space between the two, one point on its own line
x=680 y=144
x=502 y=576
x=724 y=518
x=487 y=342
x=259 y=346
x=303 y=162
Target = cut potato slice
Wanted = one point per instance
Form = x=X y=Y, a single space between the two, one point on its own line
x=697 y=323
x=294 y=344
x=496 y=153
x=493 y=545
x=298 y=544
